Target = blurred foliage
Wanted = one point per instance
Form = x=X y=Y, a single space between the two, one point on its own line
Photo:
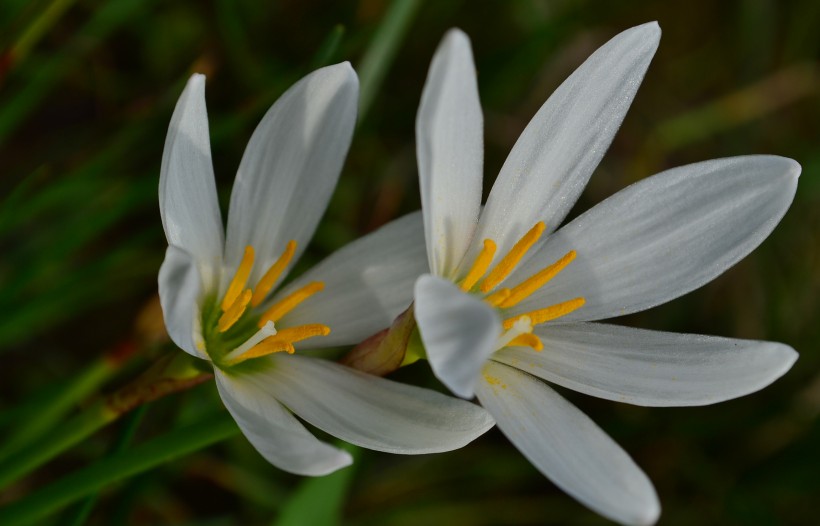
x=86 y=92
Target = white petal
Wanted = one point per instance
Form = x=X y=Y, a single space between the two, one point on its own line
x=459 y=332
x=664 y=236
x=273 y=431
x=187 y=192
x=290 y=167
x=373 y=412
x=567 y=446
x=648 y=367
x=367 y=284
x=450 y=151
x=179 y=290
x=551 y=162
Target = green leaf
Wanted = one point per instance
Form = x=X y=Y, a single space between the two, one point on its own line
x=319 y=501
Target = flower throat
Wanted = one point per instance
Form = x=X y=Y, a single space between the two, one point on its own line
x=518 y=327
x=233 y=330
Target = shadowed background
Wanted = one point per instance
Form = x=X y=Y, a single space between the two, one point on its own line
x=86 y=93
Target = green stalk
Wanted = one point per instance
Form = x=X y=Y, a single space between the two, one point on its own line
x=93 y=478
x=49 y=446
x=382 y=51
x=56 y=406
x=327 y=50
x=174 y=373
x=34 y=32
x=80 y=515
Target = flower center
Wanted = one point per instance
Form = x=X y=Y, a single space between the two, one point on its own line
x=518 y=328
x=232 y=328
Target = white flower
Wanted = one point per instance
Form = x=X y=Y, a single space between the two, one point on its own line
x=220 y=302
x=510 y=297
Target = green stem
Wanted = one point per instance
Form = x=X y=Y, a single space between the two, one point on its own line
x=44 y=21
x=93 y=478
x=383 y=49
x=49 y=446
x=83 y=510
x=173 y=373
x=56 y=406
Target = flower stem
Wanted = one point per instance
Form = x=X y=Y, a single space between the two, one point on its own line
x=125 y=464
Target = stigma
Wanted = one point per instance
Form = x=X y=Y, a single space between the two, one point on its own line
x=481 y=280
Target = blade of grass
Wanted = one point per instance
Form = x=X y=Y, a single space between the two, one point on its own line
x=173 y=373
x=327 y=50
x=382 y=51
x=83 y=510
x=128 y=463
x=44 y=21
x=44 y=77
x=319 y=501
x=58 y=405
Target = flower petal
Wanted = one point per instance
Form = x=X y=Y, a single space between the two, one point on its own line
x=651 y=368
x=450 y=151
x=290 y=167
x=187 y=193
x=273 y=431
x=367 y=284
x=553 y=159
x=459 y=333
x=373 y=412
x=567 y=446
x=664 y=236
x=180 y=286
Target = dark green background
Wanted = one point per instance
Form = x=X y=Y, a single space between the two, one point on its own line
x=83 y=115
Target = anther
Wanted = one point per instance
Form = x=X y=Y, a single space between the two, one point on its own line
x=505 y=266
x=522 y=291
x=480 y=266
x=240 y=279
x=234 y=312
x=288 y=303
x=527 y=340
x=264 y=286
x=540 y=316
x=497 y=297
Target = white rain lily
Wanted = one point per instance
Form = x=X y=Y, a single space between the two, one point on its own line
x=510 y=299
x=219 y=296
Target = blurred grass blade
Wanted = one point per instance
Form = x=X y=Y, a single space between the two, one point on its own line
x=43 y=78
x=43 y=450
x=327 y=50
x=319 y=501
x=54 y=408
x=141 y=458
x=80 y=515
x=752 y=102
x=44 y=21
x=382 y=51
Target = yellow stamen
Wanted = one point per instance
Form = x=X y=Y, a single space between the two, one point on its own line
x=522 y=291
x=480 y=266
x=302 y=332
x=527 y=340
x=550 y=313
x=498 y=297
x=239 y=279
x=505 y=266
x=287 y=304
x=269 y=279
x=283 y=341
x=234 y=312
x=269 y=346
